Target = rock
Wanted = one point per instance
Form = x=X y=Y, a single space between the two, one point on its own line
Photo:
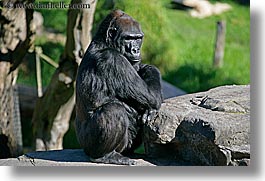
x=67 y=157
x=206 y=128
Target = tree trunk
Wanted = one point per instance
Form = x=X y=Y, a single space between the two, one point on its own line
x=53 y=110
x=15 y=39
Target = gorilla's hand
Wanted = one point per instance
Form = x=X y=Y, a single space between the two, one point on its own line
x=149 y=115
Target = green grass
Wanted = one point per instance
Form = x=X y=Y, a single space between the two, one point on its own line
x=194 y=39
x=54 y=19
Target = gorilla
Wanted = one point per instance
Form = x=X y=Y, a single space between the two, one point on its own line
x=115 y=93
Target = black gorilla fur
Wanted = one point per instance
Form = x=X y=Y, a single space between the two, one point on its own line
x=115 y=93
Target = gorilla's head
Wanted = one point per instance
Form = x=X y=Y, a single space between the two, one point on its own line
x=123 y=33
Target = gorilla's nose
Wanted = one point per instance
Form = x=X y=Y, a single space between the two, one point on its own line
x=136 y=51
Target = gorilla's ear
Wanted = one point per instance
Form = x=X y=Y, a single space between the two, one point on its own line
x=112 y=32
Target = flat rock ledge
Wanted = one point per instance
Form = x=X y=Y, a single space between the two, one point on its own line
x=66 y=157
x=206 y=128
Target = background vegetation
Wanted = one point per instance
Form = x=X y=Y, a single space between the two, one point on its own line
x=180 y=45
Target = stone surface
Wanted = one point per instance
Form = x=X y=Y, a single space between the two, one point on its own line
x=77 y=157
x=206 y=128
x=67 y=157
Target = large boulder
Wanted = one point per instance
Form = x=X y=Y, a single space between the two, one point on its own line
x=205 y=128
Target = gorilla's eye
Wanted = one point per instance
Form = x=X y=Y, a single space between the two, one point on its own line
x=127 y=38
x=133 y=37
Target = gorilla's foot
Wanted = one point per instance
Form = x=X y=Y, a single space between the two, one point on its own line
x=114 y=158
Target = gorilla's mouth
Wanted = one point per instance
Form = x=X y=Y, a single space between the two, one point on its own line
x=132 y=58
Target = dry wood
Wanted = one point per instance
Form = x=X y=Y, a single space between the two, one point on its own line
x=16 y=38
x=38 y=75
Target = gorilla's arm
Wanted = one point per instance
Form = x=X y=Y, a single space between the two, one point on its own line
x=123 y=80
x=151 y=75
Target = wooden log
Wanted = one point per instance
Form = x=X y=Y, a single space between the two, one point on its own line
x=219 y=44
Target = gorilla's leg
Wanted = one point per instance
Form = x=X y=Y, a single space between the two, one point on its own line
x=136 y=142
x=108 y=135
x=135 y=130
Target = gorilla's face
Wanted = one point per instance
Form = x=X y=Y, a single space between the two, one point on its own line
x=132 y=44
x=126 y=36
